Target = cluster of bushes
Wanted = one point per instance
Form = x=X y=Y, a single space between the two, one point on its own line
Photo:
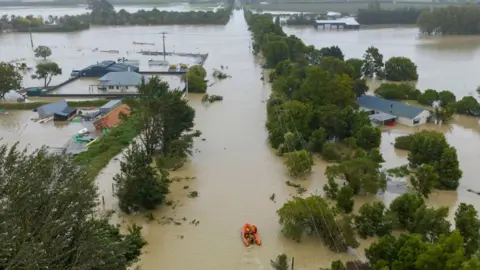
x=430 y=148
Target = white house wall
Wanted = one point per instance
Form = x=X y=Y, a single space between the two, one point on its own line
x=423 y=116
x=405 y=121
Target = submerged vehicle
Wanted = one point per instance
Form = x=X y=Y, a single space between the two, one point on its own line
x=250 y=235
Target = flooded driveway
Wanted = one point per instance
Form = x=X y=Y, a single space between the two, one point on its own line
x=234 y=170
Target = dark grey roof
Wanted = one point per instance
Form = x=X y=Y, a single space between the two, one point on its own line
x=389 y=106
x=49 y=109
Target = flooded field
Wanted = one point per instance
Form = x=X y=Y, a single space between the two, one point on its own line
x=234 y=170
x=17 y=126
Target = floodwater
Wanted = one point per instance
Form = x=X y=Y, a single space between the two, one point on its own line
x=234 y=170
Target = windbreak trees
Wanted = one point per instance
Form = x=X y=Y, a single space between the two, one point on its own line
x=47 y=217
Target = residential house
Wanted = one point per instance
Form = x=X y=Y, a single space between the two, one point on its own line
x=384 y=111
x=113 y=118
x=123 y=81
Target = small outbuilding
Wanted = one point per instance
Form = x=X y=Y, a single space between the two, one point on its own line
x=50 y=109
x=65 y=114
x=384 y=111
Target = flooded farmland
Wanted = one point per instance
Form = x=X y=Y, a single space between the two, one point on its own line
x=234 y=170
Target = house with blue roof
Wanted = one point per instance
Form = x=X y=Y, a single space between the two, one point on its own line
x=384 y=111
x=121 y=80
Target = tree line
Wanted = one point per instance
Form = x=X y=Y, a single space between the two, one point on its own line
x=452 y=20
x=38 y=24
x=376 y=15
x=103 y=13
x=312 y=110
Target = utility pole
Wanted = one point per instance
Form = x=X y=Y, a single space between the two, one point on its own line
x=186 y=77
x=164 y=52
x=31 y=38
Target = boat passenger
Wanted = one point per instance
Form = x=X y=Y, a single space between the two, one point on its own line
x=252 y=238
x=247 y=233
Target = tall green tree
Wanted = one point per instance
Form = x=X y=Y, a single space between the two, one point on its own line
x=361 y=174
x=313 y=216
x=138 y=185
x=404 y=207
x=50 y=220
x=298 y=162
x=43 y=51
x=11 y=79
x=424 y=179
x=163 y=116
x=345 y=200
x=400 y=69
x=468 y=224
x=373 y=219
x=332 y=51
x=369 y=137
x=430 y=147
x=446 y=254
x=357 y=65
x=196 y=79
x=372 y=63
x=46 y=71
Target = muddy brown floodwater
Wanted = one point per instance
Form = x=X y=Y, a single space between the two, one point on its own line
x=233 y=169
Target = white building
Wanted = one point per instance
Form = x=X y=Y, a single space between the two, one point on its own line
x=121 y=80
x=384 y=111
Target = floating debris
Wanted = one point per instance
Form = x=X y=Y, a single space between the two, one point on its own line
x=192 y=194
x=211 y=98
x=143 y=43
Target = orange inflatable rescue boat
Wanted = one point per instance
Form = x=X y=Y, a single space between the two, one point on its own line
x=250 y=235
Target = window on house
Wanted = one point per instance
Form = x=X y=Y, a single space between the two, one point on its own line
x=117 y=86
x=110 y=87
x=416 y=121
x=126 y=87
